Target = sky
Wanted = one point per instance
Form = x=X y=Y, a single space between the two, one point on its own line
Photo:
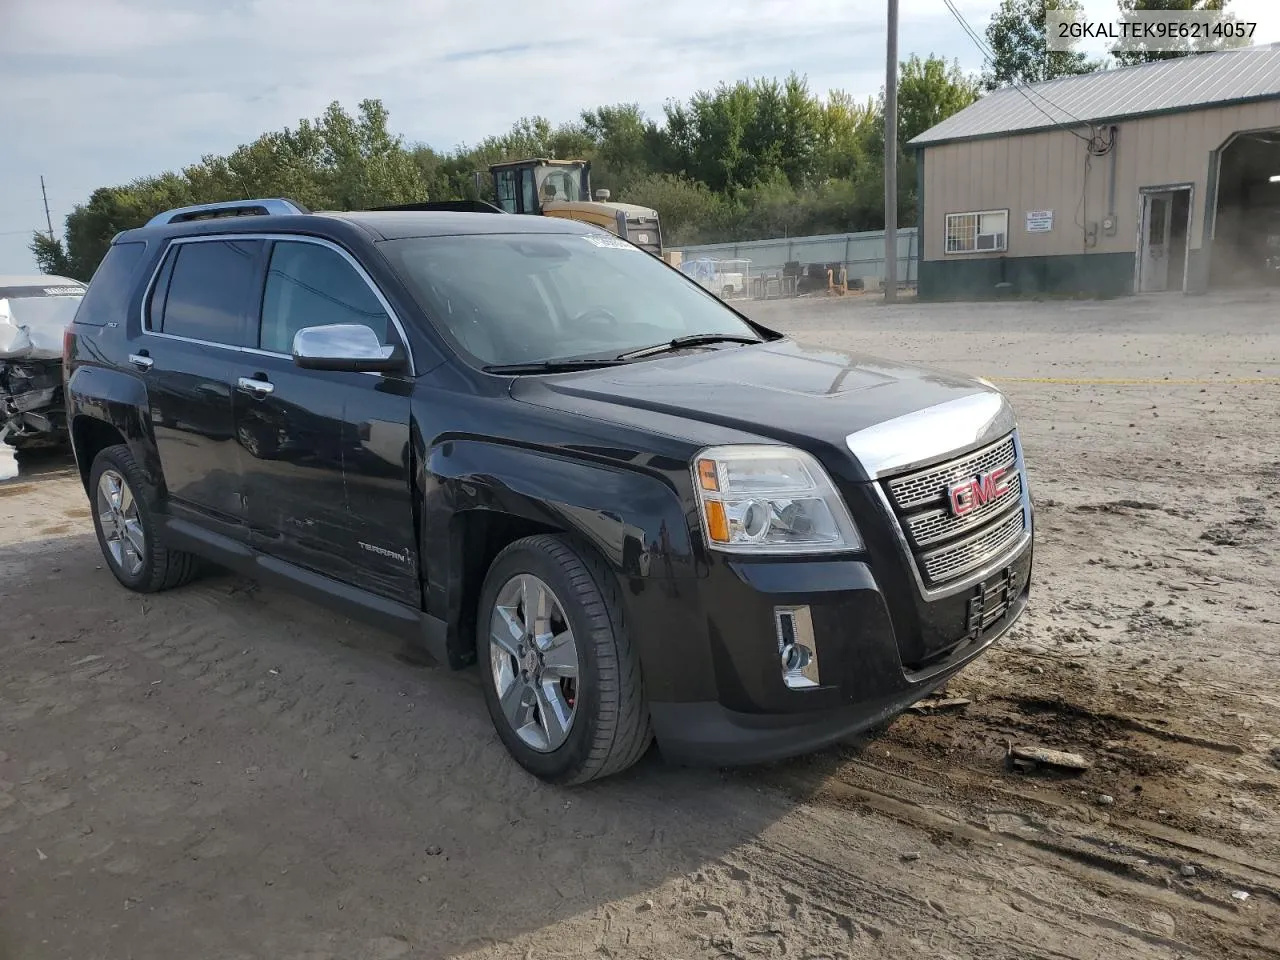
x=99 y=92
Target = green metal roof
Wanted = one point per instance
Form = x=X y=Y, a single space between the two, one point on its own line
x=1186 y=83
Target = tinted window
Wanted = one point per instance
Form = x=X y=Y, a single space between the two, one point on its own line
x=160 y=290
x=309 y=285
x=505 y=190
x=210 y=287
x=528 y=199
x=109 y=291
x=519 y=298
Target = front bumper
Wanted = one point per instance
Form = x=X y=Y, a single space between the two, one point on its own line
x=704 y=732
x=733 y=706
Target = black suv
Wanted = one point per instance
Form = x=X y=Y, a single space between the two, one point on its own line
x=524 y=442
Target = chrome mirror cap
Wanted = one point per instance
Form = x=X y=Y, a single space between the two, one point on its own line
x=342 y=346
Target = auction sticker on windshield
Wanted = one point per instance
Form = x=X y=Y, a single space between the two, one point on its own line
x=609 y=240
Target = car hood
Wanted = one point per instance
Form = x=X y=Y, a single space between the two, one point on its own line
x=830 y=402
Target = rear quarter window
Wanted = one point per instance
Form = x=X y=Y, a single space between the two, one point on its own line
x=111 y=288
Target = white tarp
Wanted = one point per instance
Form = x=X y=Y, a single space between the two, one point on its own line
x=31 y=328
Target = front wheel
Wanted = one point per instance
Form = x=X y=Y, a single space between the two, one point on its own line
x=561 y=679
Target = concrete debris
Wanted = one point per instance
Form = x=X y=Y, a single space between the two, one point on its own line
x=1029 y=758
x=939 y=704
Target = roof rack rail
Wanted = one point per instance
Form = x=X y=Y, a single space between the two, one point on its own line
x=456 y=206
x=228 y=208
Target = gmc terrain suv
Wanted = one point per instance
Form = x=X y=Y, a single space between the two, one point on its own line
x=523 y=442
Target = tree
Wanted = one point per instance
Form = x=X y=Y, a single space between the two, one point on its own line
x=1019 y=45
x=929 y=91
x=51 y=257
x=845 y=130
x=1200 y=45
x=690 y=212
x=337 y=161
x=627 y=145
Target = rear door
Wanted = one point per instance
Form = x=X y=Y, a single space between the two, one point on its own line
x=325 y=453
x=197 y=318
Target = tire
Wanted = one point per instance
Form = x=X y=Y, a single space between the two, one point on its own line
x=609 y=728
x=142 y=562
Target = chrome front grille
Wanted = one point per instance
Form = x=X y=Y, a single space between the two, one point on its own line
x=930 y=485
x=970 y=554
x=945 y=546
x=934 y=526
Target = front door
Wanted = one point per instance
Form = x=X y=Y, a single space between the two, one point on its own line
x=1157 y=222
x=326 y=477
x=197 y=320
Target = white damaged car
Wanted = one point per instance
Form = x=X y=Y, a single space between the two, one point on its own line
x=34 y=313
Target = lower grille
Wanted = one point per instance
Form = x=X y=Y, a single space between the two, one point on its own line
x=962 y=515
x=646 y=234
x=992 y=600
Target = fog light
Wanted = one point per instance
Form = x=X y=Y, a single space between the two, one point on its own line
x=797 y=651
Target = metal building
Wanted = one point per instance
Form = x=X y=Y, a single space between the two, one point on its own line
x=1158 y=177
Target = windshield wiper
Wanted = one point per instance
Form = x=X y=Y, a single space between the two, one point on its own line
x=552 y=366
x=693 y=340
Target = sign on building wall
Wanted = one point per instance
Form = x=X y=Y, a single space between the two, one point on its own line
x=1039 y=221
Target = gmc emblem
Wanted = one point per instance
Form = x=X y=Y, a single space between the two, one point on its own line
x=968 y=495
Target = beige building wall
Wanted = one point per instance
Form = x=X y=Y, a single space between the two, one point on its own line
x=1052 y=170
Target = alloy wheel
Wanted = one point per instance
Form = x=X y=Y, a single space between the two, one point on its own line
x=120 y=523
x=534 y=660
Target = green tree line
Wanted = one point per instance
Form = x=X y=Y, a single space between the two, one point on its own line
x=751 y=159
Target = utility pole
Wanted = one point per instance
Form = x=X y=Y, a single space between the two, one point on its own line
x=891 y=158
x=47 y=219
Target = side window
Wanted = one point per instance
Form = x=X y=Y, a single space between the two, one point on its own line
x=505 y=190
x=209 y=287
x=155 y=306
x=309 y=285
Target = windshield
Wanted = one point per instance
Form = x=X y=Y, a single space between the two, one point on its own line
x=559 y=183
x=526 y=298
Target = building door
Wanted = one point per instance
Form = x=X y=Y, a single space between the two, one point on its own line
x=1164 y=239
x=1157 y=223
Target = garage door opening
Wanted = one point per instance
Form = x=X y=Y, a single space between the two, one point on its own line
x=1246 y=225
x=1162 y=246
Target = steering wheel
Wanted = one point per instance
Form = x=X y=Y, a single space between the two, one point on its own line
x=596 y=313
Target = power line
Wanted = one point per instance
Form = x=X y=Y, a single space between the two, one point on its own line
x=988 y=55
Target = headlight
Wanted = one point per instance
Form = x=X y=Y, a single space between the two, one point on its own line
x=770 y=500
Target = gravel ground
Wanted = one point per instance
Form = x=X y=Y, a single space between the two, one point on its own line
x=227 y=773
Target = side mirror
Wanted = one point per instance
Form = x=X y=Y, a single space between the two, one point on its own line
x=344 y=346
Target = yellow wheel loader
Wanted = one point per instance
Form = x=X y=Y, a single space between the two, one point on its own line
x=557 y=188
x=562 y=188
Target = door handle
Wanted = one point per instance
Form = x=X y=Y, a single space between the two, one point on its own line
x=259 y=388
x=141 y=361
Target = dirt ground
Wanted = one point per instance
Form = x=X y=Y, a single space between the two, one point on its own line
x=227 y=773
